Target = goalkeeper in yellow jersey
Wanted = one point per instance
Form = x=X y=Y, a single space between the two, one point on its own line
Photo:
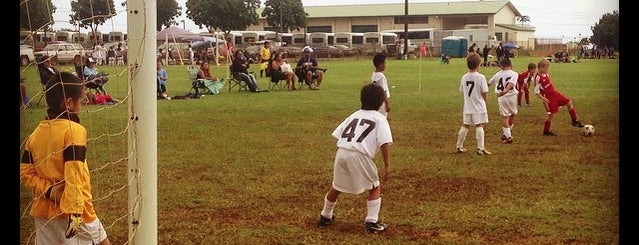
x=54 y=167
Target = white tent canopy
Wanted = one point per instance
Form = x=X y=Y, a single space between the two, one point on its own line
x=177 y=34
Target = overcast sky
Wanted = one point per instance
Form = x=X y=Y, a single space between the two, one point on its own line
x=552 y=18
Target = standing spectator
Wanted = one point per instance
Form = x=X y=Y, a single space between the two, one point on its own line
x=308 y=69
x=229 y=49
x=191 y=55
x=265 y=56
x=471 y=49
x=473 y=88
x=161 y=82
x=54 y=158
x=485 y=53
x=505 y=80
x=99 y=54
x=359 y=137
x=24 y=98
x=378 y=77
x=240 y=70
x=500 y=50
x=524 y=81
x=170 y=54
x=553 y=99
x=111 y=56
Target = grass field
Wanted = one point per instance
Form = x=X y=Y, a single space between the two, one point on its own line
x=246 y=168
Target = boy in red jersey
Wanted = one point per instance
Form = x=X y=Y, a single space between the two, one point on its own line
x=523 y=83
x=552 y=98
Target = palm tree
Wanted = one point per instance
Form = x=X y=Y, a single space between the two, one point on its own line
x=523 y=19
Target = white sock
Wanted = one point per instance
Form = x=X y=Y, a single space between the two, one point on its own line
x=327 y=212
x=373 y=207
x=461 y=136
x=479 y=135
x=507 y=132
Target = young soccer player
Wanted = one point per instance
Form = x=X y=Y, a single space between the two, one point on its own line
x=379 y=78
x=553 y=99
x=359 y=138
x=54 y=166
x=505 y=80
x=524 y=81
x=473 y=87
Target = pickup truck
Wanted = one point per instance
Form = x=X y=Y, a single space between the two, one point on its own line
x=26 y=55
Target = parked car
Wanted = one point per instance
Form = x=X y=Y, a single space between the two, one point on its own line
x=253 y=51
x=62 y=52
x=327 y=52
x=346 y=50
x=26 y=54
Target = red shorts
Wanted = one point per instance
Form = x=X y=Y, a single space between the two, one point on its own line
x=556 y=100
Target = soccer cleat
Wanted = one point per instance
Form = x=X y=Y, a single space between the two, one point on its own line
x=503 y=137
x=461 y=149
x=549 y=134
x=375 y=227
x=323 y=222
x=507 y=140
x=483 y=152
x=577 y=123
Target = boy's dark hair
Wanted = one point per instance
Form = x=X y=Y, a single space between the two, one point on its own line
x=63 y=86
x=505 y=62
x=378 y=59
x=473 y=61
x=532 y=66
x=372 y=96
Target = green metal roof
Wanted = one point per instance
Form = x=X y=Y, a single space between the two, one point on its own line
x=397 y=9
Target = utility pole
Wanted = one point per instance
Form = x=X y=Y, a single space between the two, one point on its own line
x=279 y=37
x=405 y=28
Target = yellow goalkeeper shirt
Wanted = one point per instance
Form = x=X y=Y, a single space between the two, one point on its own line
x=55 y=151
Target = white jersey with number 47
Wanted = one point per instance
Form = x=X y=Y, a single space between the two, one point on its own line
x=364 y=131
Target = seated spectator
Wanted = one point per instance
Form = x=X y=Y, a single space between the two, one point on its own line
x=205 y=79
x=47 y=71
x=100 y=99
x=278 y=74
x=240 y=70
x=92 y=75
x=161 y=82
x=307 y=68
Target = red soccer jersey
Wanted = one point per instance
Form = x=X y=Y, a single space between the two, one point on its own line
x=544 y=85
x=524 y=77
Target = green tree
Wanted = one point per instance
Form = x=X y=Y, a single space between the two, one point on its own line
x=224 y=15
x=36 y=15
x=168 y=10
x=606 y=32
x=287 y=14
x=91 y=13
x=523 y=19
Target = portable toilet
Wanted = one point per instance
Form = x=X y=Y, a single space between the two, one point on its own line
x=463 y=46
x=450 y=46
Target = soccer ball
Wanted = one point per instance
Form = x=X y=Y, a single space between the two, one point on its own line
x=588 y=130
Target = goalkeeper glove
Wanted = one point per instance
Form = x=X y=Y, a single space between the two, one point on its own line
x=55 y=191
x=75 y=221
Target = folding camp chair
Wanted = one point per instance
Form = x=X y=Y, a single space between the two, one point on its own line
x=202 y=86
x=301 y=76
x=234 y=81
